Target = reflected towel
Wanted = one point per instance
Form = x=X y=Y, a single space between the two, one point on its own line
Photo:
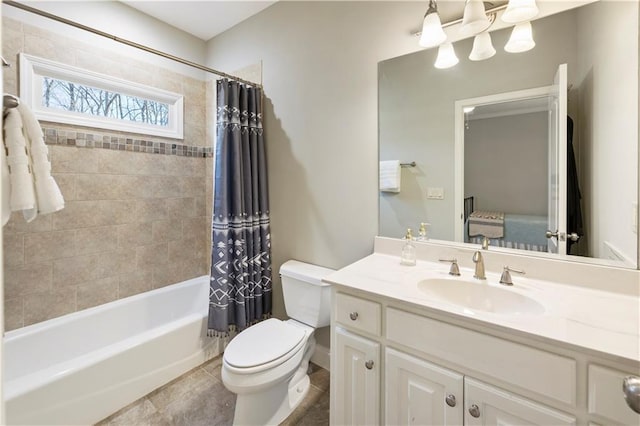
x=390 y=176
x=487 y=224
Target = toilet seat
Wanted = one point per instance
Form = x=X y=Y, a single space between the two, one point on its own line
x=264 y=346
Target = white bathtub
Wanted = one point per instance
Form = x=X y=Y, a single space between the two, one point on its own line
x=82 y=367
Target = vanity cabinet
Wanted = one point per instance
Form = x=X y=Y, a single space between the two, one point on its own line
x=418 y=392
x=399 y=365
x=357 y=363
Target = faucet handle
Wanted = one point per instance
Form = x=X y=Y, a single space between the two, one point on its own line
x=506 y=275
x=455 y=270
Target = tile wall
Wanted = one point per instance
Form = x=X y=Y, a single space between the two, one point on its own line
x=136 y=216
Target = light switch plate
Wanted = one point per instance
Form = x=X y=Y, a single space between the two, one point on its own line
x=435 y=193
x=634 y=218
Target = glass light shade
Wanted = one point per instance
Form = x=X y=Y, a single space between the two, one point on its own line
x=521 y=39
x=432 y=32
x=446 y=56
x=482 y=47
x=520 y=10
x=474 y=18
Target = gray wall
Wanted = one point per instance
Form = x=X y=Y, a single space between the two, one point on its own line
x=417 y=114
x=320 y=81
x=608 y=125
x=505 y=162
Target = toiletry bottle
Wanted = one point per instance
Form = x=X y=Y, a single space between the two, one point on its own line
x=422 y=233
x=408 y=256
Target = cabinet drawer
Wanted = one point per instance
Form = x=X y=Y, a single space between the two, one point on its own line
x=606 y=398
x=547 y=374
x=358 y=314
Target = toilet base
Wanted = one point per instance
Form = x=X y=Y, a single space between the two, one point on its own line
x=273 y=405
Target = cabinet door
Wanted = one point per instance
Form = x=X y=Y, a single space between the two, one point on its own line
x=357 y=365
x=486 y=405
x=420 y=393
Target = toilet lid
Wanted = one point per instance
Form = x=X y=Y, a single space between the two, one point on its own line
x=263 y=343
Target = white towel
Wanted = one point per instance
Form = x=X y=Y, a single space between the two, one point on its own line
x=6 y=186
x=390 y=176
x=47 y=191
x=31 y=190
x=22 y=192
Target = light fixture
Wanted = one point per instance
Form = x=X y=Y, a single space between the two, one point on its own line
x=519 y=11
x=521 y=39
x=482 y=47
x=474 y=18
x=432 y=32
x=468 y=109
x=446 y=56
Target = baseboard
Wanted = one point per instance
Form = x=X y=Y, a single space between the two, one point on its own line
x=321 y=356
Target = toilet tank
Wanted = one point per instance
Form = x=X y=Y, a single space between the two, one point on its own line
x=306 y=298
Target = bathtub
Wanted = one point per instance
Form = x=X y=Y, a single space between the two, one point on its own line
x=82 y=367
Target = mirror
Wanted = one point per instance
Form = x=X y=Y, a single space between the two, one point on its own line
x=417 y=123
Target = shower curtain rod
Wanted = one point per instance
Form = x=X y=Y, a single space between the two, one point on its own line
x=127 y=42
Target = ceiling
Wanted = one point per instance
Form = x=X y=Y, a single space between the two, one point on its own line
x=203 y=19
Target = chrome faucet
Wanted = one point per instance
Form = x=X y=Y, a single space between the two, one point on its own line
x=479 y=261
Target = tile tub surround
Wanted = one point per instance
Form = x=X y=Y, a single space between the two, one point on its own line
x=200 y=398
x=132 y=222
x=70 y=136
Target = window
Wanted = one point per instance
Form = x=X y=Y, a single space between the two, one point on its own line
x=61 y=93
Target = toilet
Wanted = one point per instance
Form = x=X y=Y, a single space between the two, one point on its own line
x=266 y=364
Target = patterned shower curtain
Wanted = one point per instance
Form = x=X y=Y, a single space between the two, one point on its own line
x=240 y=281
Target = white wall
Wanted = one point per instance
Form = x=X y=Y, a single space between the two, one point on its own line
x=609 y=115
x=504 y=164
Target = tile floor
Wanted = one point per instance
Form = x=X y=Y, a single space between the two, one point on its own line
x=199 y=398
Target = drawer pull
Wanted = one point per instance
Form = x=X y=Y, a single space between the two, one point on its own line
x=631 y=389
x=450 y=400
x=474 y=411
x=353 y=316
x=369 y=364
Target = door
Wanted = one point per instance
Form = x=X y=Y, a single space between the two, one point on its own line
x=486 y=405
x=357 y=364
x=420 y=393
x=557 y=207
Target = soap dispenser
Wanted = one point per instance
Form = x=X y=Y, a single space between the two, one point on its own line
x=408 y=256
x=422 y=232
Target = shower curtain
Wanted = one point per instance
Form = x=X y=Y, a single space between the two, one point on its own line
x=240 y=280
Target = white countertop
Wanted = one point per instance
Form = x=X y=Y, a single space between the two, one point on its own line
x=597 y=320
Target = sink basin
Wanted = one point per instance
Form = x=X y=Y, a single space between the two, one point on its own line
x=479 y=296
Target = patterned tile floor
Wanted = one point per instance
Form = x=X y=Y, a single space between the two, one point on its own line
x=198 y=398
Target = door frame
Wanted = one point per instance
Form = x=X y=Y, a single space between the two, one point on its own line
x=458 y=150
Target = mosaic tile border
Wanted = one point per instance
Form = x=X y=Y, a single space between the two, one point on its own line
x=54 y=136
